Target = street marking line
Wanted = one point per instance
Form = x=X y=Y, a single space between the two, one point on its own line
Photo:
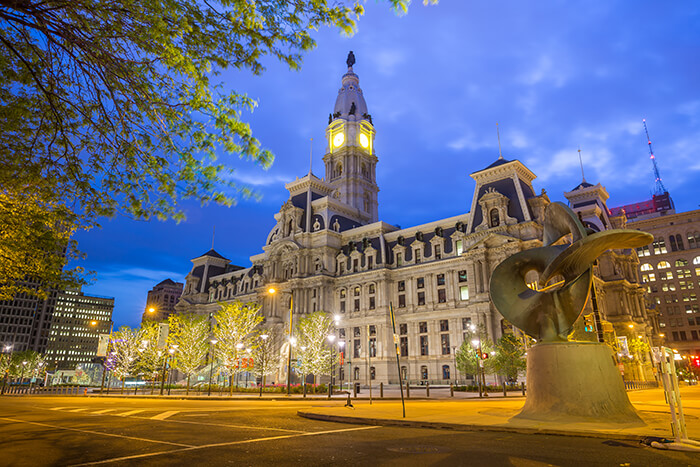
x=103 y=411
x=164 y=415
x=263 y=428
x=232 y=443
x=77 y=410
x=130 y=412
x=16 y=420
x=59 y=408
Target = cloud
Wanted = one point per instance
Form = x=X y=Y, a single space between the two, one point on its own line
x=387 y=61
x=260 y=179
x=544 y=71
x=143 y=273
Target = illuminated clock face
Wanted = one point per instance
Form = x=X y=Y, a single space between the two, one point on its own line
x=338 y=139
x=364 y=140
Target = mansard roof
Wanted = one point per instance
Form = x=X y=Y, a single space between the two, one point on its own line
x=213 y=254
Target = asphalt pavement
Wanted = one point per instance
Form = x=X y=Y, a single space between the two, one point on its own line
x=49 y=430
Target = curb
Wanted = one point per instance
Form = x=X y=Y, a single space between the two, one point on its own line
x=462 y=427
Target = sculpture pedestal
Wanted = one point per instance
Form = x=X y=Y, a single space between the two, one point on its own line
x=577 y=382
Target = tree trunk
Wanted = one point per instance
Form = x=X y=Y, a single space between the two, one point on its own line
x=230 y=384
x=187 y=391
x=123 y=383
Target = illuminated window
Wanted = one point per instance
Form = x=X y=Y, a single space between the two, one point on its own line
x=646 y=267
x=464 y=292
x=663 y=265
x=460 y=250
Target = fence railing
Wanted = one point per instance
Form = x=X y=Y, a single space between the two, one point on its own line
x=632 y=385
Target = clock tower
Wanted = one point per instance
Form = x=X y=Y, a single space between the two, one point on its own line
x=350 y=159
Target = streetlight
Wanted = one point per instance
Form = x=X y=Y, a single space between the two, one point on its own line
x=331 y=338
x=7 y=372
x=239 y=346
x=263 y=363
x=211 y=363
x=303 y=375
x=480 y=369
x=21 y=377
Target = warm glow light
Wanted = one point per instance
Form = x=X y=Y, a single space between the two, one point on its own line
x=264 y=336
x=151 y=310
x=475 y=342
x=331 y=338
x=293 y=341
x=364 y=140
x=338 y=139
x=336 y=318
x=93 y=323
x=271 y=290
x=662 y=335
x=341 y=344
x=214 y=341
x=240 y=345
x=630 y=326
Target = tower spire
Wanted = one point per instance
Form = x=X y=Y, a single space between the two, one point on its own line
x=659 y=188
x=311 y=155
x=498 y=133
x=580 y=161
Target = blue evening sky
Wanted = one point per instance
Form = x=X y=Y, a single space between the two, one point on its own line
x=555 y=75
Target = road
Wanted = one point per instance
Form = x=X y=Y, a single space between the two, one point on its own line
x=50 y=430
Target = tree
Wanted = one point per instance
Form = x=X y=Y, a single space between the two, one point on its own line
x=235 y=331
x=115 y=106
x=266 y=356
x=313 y=332
x=124 y=352
x=509 y=359
x=468 y=356
x=27 y=363
x=151 y=357
x=188 y=334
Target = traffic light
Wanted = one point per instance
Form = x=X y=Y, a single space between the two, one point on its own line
x=588 y=322
x=484 y=355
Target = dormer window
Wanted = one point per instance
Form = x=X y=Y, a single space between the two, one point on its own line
x=494 y=218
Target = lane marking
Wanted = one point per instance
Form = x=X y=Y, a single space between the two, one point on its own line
x=16 y=420
x=232 y=443
x=59 y=408
x=263 y=428
x=103 y=411
x=130 y=412
x=164 y=415
x=77 y=410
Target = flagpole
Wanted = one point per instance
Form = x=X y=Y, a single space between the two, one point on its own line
x=396 y=347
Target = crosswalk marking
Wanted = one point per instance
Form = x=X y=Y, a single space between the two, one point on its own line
x=130 y=412
x=164 y=415
x=104 y=411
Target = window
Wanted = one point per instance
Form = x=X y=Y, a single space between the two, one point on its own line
x=442 y=296
x=356 y=373
x=464 y=292
x=372 y=373
x=659 y=246
x=445 y=343
x=420 y=283
x=421 y=298
x=417 y=255
x=423 y=327
x=341 y=333
x=466 y=323
x=342 y=306
x=462 y=276
x=372 y=330
x=459 y=247
x=663 y=265
x=444 y=325
x=424 y=345
x=403 y=345
x=438 y=252
x=402 y=301
x=643 y=251
x=403 y=328
x=424 y=372
x=404 y=373
x=371 y=303
x=693 y=240
x=356 y=332
x=494 y=219
x=402 y=286
x=399 y=259
x=342 y=293
x=356 y=292
x=370 y=262
x=646 y=267
x=372 y=288
x=373 y=347
x=355 y=265
x=445 y=371
x=356 y=348
x=357 y=305
x=440 y=279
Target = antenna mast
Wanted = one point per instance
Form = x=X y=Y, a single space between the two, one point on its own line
x=659 y=188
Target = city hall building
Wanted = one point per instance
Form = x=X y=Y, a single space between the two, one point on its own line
x=332 y=252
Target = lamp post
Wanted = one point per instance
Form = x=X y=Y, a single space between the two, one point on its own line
x=213 y=342
x=239 y=347
x=331 y=339
x=454 y=356
x=21 y=376
x=263 y=363
x=247 y=372
x=104 y=363
x=7 y=349
x=303 y=374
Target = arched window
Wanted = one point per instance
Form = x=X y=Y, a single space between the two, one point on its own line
x=424 y=372
x=372 y=373
x=356 y=374
x=445 y=371
x=696 y=260
x=681 y=263
x=663 y=265
x=672 y=242
x=693 y=239
x=647 y=267
x=404 y=373
x=494 y=218
x=338 y=170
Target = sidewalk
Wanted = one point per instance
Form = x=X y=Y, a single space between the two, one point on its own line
x=495 y=414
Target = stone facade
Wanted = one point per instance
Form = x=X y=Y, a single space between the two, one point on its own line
x=329 y=250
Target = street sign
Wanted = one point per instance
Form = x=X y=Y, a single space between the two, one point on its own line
x=102 y=345
x=163 y=331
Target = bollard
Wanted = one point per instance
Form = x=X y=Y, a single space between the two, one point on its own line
x=354 y=391
x=408 y=390
x=381 y=390
x=505 y=394
x=452 y=390
x=85 y=393
x=136 y=388
x=522 y=386
x=427 y=389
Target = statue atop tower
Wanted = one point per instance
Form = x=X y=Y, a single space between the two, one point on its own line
x=351 y=59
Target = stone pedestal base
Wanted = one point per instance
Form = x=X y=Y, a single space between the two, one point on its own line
x=575 y=381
